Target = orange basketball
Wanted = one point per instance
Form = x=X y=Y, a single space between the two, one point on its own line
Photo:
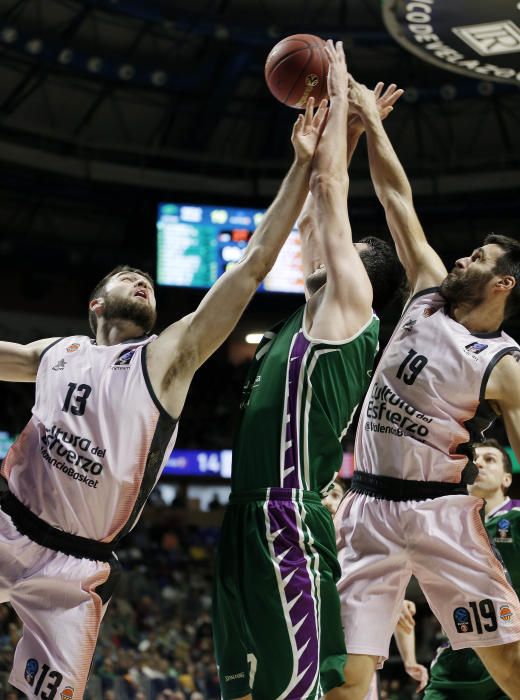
x=296 y=69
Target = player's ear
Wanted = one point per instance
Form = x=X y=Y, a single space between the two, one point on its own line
x=96 y=305
x=506 y=283
x=507 y=480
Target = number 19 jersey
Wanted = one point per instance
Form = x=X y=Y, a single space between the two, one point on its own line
x=426 y=404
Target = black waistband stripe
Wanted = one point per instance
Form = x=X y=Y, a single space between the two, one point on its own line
x=390 y=489
x=37 y=530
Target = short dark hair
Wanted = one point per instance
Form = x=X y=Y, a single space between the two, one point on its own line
x=506 y=459
x=100 y=288
x=508 y=264
x=384 y=270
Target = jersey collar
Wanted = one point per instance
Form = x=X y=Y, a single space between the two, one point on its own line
x=498 y=509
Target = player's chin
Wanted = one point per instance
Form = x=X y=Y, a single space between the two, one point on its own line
x=478 y=491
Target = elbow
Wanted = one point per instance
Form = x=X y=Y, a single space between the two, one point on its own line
x=258 y=261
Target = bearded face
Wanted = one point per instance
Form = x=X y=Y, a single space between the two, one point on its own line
x=133 y=309
x=465 y=286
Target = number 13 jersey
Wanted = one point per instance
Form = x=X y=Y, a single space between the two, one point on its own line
x=97 y=441
x=426 y=404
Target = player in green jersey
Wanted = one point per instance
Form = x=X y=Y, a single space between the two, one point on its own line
x=461 y=674
x=276 y=612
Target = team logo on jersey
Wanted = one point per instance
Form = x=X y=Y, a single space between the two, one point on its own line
x=31 y=669
x=59 y=365
x=408 y=326
x=429 y=311
x=504 y=531
x=462 y=620
x=476 y=348
x=124 y=359
x=67 y=693
x=506 y=614
x=72 y=347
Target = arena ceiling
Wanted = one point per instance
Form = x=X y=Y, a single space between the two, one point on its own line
x=168 y=96
x=171 y=93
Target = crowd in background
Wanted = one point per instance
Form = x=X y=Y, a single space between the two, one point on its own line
x=156 y=641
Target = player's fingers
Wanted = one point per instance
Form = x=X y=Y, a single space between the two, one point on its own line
x=389 y=90
x=394 y=97
x=329 y=52
x=298 y=125
x=409 y=619
x=321 y=115
x=424 y=680
x=309 y=110
x=378 y=90
x=411 y=607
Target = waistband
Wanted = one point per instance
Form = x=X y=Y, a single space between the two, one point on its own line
x=275 y=494
x=389 y=488
x=37 y=530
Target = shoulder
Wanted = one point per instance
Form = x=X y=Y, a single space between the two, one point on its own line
x=429 y=297
x=504 y=379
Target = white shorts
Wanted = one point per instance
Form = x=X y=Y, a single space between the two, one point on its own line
x=54 y=595
x=444 y=544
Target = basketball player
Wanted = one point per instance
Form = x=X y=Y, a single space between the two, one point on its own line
x=103 y=426
x=404 y=632
x=445 y=375
x=277 y=624
x=461 y=674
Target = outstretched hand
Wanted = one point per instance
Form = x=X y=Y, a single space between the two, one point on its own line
x=383 y=102
x=337 y=77
x=307 y=130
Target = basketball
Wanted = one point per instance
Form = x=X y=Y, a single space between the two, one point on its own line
x=296 y=69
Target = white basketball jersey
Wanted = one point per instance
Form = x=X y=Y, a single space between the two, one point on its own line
x=426 y=405
x=97 y=441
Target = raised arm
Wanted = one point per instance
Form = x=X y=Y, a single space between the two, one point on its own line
x=19 y=363
x=343 y=305
x=385 y=102
x=423 y=266
x=184 y=346
x=312 y=256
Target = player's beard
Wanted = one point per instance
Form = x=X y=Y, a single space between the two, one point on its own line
x=116 y=308
x=465 y=287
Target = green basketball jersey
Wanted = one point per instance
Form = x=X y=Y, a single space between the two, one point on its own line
x=298 y=401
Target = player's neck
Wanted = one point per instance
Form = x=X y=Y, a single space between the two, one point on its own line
x=486 y=317
x=117 y=331
x=493 y=500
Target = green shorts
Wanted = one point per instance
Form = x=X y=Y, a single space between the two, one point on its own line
x=276 y=610
x=461 y=675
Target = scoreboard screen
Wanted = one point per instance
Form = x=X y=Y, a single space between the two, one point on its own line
x=198 y=243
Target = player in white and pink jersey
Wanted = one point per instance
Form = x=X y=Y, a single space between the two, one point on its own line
x=405 y=629
x=103 y=426
x=445 y=375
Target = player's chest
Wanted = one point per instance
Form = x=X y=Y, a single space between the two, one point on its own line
x=431 y=353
